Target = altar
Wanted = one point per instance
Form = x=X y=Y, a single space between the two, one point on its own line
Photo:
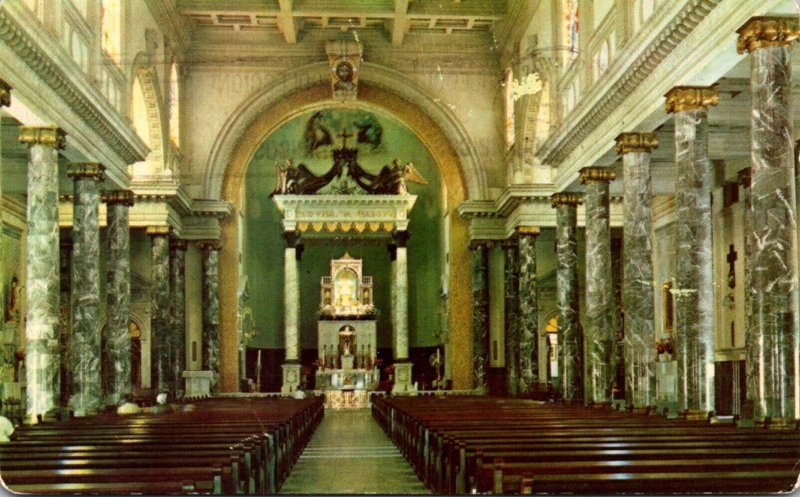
x=346 y=331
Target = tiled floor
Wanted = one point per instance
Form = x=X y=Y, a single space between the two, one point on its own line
x=350 y=454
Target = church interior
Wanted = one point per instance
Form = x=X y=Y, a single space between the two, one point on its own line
x=464 y=246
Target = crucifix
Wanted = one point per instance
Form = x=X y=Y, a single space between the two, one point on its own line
x=731 y=258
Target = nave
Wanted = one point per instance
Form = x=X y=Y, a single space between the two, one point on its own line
x=349 y=454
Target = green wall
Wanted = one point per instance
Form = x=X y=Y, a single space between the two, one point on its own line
x=263 y=246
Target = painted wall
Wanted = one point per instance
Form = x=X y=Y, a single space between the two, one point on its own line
x=264 y=245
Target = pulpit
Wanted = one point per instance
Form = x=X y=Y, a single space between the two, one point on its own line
x=346 y=332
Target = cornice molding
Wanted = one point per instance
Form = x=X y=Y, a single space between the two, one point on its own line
x=85 y=100
x=572 y=133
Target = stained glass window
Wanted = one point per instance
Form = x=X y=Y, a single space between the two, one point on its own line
x=571 y=26
x=110 y=23
x=174 y=105
x=509 y=99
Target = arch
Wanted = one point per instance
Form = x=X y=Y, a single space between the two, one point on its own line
x=370 y=76
x=241 y=137
x=145 y=75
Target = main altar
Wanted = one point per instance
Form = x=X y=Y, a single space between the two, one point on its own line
x=346 y=331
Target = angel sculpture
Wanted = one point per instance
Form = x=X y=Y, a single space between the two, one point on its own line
x=287 y=178
x=405 y=174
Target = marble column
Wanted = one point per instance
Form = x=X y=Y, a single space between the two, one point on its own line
x=177 y=313
x=773 y=207
x=528 y=302
x=402 y=364
x=480 y=313
x=291 y=310
x=694 y=279
x=210 y=252
x=87 y=391
x=640 y=377
x=65 y=320
x=159 y=308
x=600 y=305
x=511 y=315
x=118 y=300
x=570 y=341
x=43 y=282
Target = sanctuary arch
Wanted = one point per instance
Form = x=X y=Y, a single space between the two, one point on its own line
x=242 y=139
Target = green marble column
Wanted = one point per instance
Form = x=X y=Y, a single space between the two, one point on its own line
x=511 y=315
x=528 y=302
x=87 y=391
x=640 y=368
x=694 y=277
x=210 y=251
x=480 y=313
x=600 y=305
x=159 y=308
x=774 y=274
x=118 y=335
x=177 y=312
x=570 y=341
x=43 y=283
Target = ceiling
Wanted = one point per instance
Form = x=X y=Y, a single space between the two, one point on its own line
x=295 y=18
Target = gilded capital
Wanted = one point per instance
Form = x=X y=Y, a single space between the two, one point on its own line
x=86 y=170
x=5 y=94
x=527 y=230
x=596 y=175
x=158 y=230
x=745 y=177
x=178 y=244
x=762 y=32
x=122 y=197
x=50 y=136
x=635 y=142
x=209 y=245
x=690 y=98
x=563 y=199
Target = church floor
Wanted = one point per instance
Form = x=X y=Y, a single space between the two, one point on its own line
x=350 y=454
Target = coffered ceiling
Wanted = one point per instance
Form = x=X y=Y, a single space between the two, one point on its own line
x=294 y=18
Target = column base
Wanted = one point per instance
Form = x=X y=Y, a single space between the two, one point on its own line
x=198 y=383
x=291 y=377
x=695 y=414
x=780 y=423
x=402 y=379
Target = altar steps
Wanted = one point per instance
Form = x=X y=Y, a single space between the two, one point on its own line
x=350 y=454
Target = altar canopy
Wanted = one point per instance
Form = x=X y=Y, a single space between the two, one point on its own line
x=347 y=334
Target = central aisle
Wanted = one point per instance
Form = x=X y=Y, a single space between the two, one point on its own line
x=350 y=454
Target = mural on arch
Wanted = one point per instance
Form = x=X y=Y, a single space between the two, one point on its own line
x=309 y=139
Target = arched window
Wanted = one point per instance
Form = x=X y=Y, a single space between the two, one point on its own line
x=509 y=98
x=571 y=27
x=173 y=105
x=111 y=28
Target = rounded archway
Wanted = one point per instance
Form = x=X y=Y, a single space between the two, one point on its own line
x=238 y=144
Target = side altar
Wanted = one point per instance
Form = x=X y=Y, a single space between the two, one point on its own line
x=346 y=331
